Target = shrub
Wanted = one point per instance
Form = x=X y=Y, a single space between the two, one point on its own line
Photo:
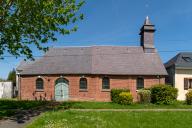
x=163 y=94
x=144 y=96
x=125 y=98
x=189 y=97
x=115 y=94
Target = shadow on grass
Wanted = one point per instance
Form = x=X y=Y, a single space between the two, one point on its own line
x=22 y=111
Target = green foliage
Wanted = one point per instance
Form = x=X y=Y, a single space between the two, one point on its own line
x=125 y=98
x=22 y=104
x=8 y=107
x=163 y=94
x=2 y=80
x=115 y=94
x=12 y=76
x=25 y=23
x=189 y=97
x=144 y=96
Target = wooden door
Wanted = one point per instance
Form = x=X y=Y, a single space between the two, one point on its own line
x=61 y=90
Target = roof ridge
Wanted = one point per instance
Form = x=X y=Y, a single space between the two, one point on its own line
x=93 y=46
x=174 y=60
x=177 y=57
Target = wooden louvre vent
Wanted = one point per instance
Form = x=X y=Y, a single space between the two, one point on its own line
x=186 y=83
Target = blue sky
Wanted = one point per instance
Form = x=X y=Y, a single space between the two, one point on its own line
x=117 y=22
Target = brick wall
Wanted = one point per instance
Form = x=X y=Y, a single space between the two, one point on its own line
x=93 y=93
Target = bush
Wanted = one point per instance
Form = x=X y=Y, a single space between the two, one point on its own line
x=163 y=94
x=125 y=98
x=189 y=97
x=115 y=94
x=144 y=96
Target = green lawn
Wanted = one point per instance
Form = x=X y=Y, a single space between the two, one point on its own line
x=9 y=107
x=75 y=119
x=62 y=116
x=109 y=105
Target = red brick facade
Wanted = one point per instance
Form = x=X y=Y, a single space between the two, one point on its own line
x=94 y=87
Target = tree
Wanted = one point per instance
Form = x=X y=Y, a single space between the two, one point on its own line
x=12 y=76
x=24 y=23
x=2 y=80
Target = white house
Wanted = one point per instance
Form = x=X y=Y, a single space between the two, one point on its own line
x=179 y=70
x=6 y=89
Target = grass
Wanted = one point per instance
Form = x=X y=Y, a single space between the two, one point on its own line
x=62 y=118
x=109 y=105
x=76 y=119
x=9 y=107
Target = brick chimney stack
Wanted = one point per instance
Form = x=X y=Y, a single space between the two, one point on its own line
x=147 y=36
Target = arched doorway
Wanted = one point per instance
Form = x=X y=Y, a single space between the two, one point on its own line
x=61 y=89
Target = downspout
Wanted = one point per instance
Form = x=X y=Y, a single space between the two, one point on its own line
x=158 y=77
x=19 y=87
x=19 y=84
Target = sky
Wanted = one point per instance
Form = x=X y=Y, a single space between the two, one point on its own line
x=118 y=22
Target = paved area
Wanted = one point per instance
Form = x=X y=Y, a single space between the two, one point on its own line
x=23 y=117
x=14 y=124
x=20 y=119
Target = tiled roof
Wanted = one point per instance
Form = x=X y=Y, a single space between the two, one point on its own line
x=109 y=60
x=182 y=60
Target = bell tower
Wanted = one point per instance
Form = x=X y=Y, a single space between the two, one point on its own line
x=147 y=36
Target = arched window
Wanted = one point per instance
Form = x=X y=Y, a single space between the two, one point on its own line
x=83 y=83
x=39 y=84
x=61 y=80
x=105 y=83
x=140 y=83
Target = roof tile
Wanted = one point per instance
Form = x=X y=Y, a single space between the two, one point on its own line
x=113 y=60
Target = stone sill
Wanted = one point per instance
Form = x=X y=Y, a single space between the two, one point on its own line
x=106 y=90
x=83 y=90
x=40 y=90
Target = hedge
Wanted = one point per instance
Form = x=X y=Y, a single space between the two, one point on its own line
x=163 y=94
x=189 y=97
x=125 y=98
x=115 y=94
x=144 y=96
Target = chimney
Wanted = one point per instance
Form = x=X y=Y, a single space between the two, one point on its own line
x=147 y=36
